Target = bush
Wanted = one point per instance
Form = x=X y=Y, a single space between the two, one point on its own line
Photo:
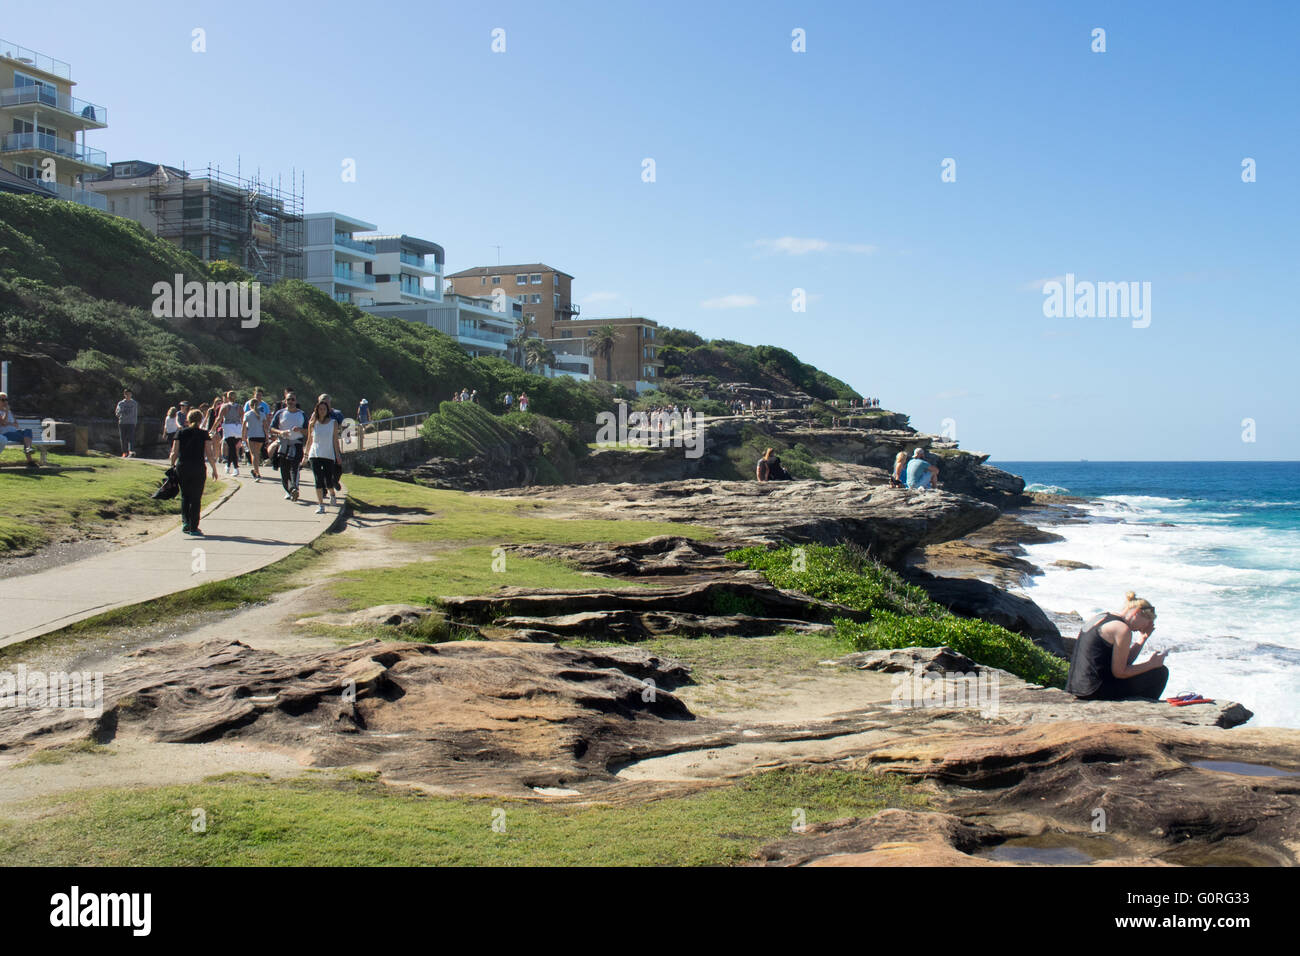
x=900 y=615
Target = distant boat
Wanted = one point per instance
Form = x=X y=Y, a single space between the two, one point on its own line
x=1083 y=459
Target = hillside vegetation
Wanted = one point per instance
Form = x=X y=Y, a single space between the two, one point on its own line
x=76 y=291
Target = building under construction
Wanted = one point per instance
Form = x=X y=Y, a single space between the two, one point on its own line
x=248 y=221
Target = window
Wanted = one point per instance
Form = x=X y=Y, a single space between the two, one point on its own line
x=521 y=280
x=535 y=278
x=556 y=297
x=482 y=280
x=496 y=280
x=555 y=279
x=537 y=299
x=25 y=170
x=566 y=334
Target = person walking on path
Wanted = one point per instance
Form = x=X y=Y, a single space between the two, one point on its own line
x=229 y=420
x=290 y=427
x=325 y=452
x=12 y=433
x=170 y=428
x=336 y=472
x=363 y=419
x=192 y=450
x=128 y=412
x=253 y=434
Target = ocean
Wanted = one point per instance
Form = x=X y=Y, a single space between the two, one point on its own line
x=1215 y=546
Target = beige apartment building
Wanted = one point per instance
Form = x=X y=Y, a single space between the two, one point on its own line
x=545 y=293
x=633 y=362
x=43 y=128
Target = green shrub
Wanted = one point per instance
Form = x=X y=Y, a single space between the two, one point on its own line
x=900 y=614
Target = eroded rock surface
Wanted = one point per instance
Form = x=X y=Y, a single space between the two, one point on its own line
x=888 y=522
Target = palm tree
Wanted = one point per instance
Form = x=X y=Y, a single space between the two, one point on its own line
x=523 y=330
x=602 y=343
x=537 y=353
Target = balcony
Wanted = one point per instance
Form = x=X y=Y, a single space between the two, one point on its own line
x=46 y=99
x=570 y=309
x=45 y=143
x=347 y=276
x=419 y=262
x=83 y=197
x=467 y=331
x=419 y=291
x=34 y=60
x=356 y=245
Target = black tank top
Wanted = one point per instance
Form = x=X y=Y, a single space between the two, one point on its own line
x=1090 y=664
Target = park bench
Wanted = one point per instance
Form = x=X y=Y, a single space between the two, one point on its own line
x=42 y=436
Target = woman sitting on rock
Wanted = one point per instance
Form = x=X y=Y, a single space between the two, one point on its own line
x=763 y=470
x=1102 y=667
x=900 y=462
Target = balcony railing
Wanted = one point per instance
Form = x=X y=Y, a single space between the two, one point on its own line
x=46 y=64
x=49 y=96
x=83 y=197
x=570 y=308
x=15 y=142
x=418 y=290
x=343 y=239
x=343 y=274
x=474 y=332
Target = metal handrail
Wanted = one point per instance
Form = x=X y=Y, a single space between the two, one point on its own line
x=387 y=431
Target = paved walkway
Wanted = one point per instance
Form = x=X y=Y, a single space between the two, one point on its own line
x=251 y=528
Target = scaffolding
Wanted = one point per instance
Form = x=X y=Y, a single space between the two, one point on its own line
x=252 y=222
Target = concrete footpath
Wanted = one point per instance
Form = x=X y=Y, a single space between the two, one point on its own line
x=246 y=530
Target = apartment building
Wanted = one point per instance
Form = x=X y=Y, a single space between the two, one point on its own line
x=401 y=266
x=546 y=293
x=254 y=223
x=482 y=326
x=43 y=128
x=337 y=261
x=634 y=360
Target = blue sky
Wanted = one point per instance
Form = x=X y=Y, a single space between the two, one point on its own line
x=777 y=170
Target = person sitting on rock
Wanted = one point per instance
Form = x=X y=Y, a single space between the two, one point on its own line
x=776 y=471
x=763 y=470
x=920 y=473
x=1103 y=668
x=900 y=462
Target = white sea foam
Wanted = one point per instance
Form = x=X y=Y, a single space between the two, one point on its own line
x=1228 y=596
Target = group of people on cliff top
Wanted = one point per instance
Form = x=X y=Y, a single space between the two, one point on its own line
x=253 y=431
x=857 y=403
x=511 y=401
x=465 y=395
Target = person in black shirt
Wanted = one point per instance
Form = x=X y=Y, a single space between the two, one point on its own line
x=192 y=452
x=1103 y=665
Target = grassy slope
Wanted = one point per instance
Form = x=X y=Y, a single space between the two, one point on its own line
x=320 y=821
x=75 y=493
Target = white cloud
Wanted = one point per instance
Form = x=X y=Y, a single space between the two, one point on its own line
x=793 y=246
x=734 y=301
x=596 y=298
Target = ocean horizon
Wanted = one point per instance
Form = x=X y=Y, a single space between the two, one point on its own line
x=1214 y=545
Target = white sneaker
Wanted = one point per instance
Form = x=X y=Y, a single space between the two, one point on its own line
x=333 y=499
x=287 y=496
x=320 y=509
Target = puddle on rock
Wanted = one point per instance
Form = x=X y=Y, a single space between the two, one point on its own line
x=1052 y=849
x=1244 y=769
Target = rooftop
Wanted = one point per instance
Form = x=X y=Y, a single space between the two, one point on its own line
x=507 y=270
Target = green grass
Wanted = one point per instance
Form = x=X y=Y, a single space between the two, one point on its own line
x=901 y=615
x=459 y=516
x=76 y=493
x=311 y=821
x=461 y=572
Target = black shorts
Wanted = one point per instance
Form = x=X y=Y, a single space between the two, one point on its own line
x=254 y=438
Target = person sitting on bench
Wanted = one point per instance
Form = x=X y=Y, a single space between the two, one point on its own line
x=11 y=432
